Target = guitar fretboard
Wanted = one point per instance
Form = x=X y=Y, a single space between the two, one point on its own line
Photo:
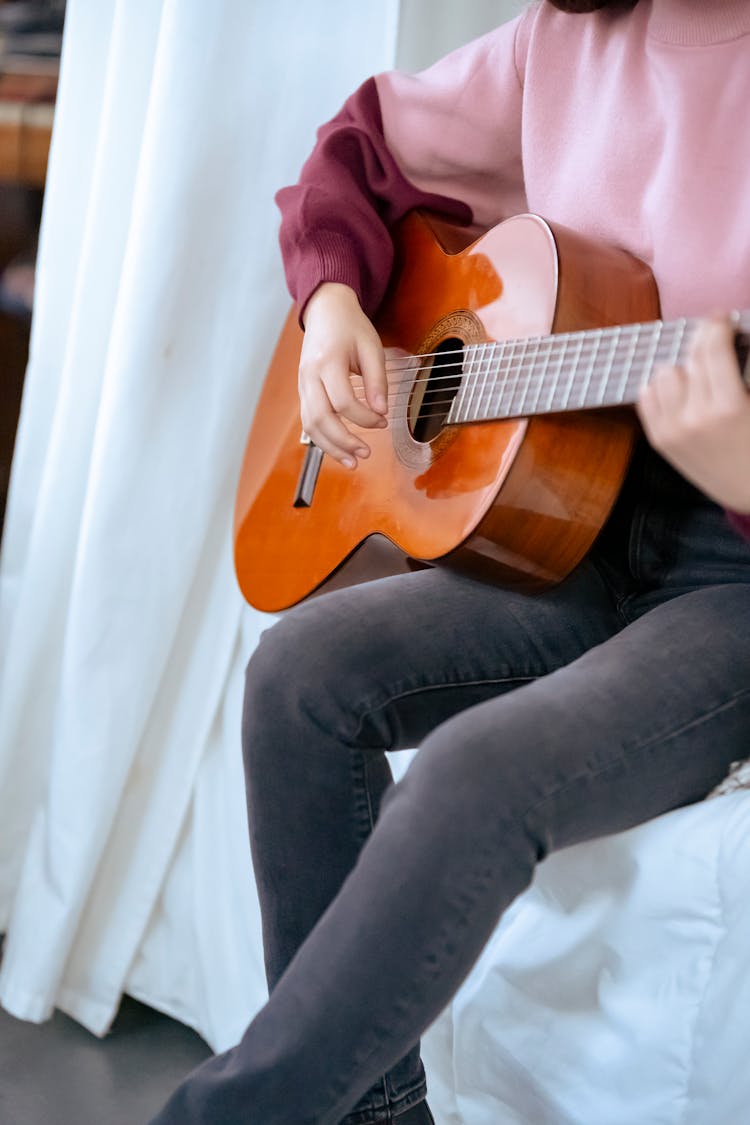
x=573 y=370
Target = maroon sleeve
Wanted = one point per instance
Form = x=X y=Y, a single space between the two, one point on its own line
x=336 y=220
x=740 y=523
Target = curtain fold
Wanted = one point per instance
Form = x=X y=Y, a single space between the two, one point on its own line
x=159 y=298
x=122 y=635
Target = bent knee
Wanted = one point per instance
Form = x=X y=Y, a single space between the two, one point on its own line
x=285 y=657
x=303 y=667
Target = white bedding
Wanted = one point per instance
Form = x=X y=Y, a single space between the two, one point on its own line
x=614 y=992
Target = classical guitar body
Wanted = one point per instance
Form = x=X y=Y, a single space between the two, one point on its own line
x=517 y=500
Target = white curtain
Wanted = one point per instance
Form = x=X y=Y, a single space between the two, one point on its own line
x=123 y=853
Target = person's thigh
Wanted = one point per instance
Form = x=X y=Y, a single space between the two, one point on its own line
x=345 y=677
x=643 y=723
x=378 y=666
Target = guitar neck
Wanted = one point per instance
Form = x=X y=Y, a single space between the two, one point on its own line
x=574 y=370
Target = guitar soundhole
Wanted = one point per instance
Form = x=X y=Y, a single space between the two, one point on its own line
x=434 y=390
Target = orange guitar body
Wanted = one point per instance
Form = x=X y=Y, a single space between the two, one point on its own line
x=518 y=502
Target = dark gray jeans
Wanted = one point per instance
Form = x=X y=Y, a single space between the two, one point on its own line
x=542 y=721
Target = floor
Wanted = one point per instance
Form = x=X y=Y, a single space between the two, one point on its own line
x=58 y=1074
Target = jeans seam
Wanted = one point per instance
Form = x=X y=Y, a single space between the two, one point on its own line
x=637 y=748
x=364 y=809
x=404 y=693
x=413 y=1096
x=361 y=782
x=695 y=722
x=486 y=854
x=365 y=825
x=383 y=1080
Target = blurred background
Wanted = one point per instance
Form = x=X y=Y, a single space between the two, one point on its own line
x=30 y=44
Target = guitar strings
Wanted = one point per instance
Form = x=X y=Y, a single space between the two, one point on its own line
x=524 y=373
x=587 y=338
x=594 y=337
x=522 y=364
x=508 y=388
x=529 y=370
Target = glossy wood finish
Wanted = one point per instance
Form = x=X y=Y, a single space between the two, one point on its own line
x=517 y=502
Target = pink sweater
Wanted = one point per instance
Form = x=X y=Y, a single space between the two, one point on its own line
x=630 y=127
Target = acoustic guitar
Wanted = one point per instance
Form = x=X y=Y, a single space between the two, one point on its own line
x=512 y=364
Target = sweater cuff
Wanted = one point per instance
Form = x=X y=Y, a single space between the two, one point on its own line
x=740 y=522
x=327 y=257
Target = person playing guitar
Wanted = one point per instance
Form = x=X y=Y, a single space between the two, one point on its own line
x=541 y=719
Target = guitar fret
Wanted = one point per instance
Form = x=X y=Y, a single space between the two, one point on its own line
x=486 y=397
x=503 y=410
x=507 y=385
x=589 y=374
x=481 y=371
x=614 y=336
x=578 y=337
x=648 y=366
x=515 y=384
x=469 y=379
x=501 y=380
x=473 y=379
x=542 y=376
x=527 y=381
x=627 y=362
x=476 y=375
x=666 y=345
x=457 y=412
x=483 y=362
x=559 y=347
x=598 y=383
x=680 y=329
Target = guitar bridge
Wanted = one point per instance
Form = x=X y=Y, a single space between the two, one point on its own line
x=308 y=477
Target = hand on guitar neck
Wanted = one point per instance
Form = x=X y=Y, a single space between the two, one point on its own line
x=698 y=416
x=340 y=341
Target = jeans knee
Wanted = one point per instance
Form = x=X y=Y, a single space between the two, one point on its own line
x=299 y=676
x=277 y=670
